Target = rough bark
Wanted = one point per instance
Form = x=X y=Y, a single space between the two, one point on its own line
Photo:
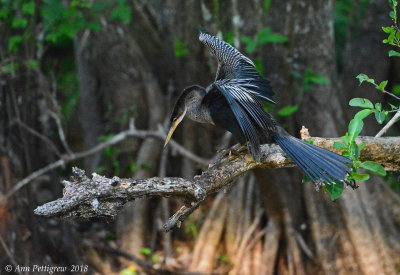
x=98 y=196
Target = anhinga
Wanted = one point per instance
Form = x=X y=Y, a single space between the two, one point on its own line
x=234 y=102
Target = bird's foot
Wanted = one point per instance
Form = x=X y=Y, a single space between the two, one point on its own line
x=352 y=183
x=235 y=150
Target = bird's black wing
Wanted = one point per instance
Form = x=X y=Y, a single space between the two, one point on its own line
x=254 y=122
x=221 y=113
x=234 y=65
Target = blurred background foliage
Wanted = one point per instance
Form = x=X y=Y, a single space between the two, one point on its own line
x=95 y=64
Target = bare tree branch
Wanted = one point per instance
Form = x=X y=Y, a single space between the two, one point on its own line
x=38 y=135
x=103 y=197
x=131 y=132
x=60 y=131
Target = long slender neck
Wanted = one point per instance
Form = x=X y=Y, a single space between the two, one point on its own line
x=198 y=112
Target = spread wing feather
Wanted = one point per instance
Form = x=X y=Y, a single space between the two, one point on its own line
x=234 y=65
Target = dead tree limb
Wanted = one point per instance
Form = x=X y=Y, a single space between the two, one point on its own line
x=131 y=132
x=102 y=197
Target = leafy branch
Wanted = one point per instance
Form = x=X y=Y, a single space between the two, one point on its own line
x=350 y=148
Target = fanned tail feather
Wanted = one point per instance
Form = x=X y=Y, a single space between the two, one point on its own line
x=318 y=164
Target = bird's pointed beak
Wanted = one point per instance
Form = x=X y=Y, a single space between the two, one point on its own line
x=174 y=124
x=171 y=131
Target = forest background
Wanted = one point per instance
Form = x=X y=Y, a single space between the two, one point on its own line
x=74 y=73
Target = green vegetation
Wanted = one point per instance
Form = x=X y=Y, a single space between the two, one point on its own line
x=350 y=148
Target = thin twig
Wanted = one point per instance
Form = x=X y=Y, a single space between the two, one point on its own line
x=389 y=124
x=177 y=219
x=303 y=244
x=386 y=92
x=60 y=132
x=38 y=135
x=8 y=252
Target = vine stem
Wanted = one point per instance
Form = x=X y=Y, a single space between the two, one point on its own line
x=386 y=92
x=389 y=124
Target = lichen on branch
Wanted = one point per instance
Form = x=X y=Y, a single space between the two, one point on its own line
x=99 y=196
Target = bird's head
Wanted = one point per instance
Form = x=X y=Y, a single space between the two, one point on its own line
x=190 y=96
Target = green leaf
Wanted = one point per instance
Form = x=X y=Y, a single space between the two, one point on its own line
x=345 y=139
x=390 y=38
x=259 y=66
x=10 y=68
x=373 y=167
x=145 y=251
x=382 y=85
x=145 y=165
x=335 y=190
x=267 y=36
x=224 y=259
x=267 y=3
x=393 y=107
x=361 y=102
x=396 y=89
x=133 y=167
x=262 y=35
x=378 y=106
x=32 y=64
x=364 y=77
x=110 y=235
x=362 y=146
x=296 y=74
x=346 y=154
x=274 y=38
x=311 y=141
x=94 y=26
x=393 y=53
x=360 y=177
x=363 y=114
x=229 y=38
x=180 y=48
x=19 y=23
x=354 y=150
x=311 y=78
x=128 y=271
x=122 y=12
x=355 y=127
x=250 y=44
x=14 y=42
x=339 y=145
x=392 y=15
x=99 y=6
x=28 y=8
x=380 y=116
x=107 y=137
x=287 y=110
x=388 y=29
x=155 y=258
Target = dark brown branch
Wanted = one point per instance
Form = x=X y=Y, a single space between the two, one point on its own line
x=103 y=197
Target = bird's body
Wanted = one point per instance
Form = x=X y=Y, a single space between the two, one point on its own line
x=234 y=102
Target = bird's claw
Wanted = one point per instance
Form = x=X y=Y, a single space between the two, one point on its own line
x=235 y=150
x=352 y=183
